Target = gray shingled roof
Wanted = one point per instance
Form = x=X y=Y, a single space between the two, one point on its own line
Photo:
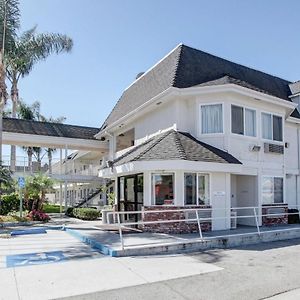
x=175 y=145
x=186 y=67
x=49 y=129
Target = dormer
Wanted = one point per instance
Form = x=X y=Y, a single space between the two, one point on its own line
x=295 y=93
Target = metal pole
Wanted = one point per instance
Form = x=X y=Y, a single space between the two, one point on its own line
x=199 y=225
x=21 y=202
x=256 y=221
x=66 y=186
x=60 y=184
x=120 y=231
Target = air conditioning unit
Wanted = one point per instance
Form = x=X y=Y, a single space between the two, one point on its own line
x=233 y=220
x=273 y=148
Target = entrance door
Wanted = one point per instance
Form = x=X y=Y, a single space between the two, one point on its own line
x=130 y=196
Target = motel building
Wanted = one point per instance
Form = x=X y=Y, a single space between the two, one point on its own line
x=199 y=131
x=195 y=131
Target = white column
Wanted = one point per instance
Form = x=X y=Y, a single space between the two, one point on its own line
x=147 y=188
x=179 y=188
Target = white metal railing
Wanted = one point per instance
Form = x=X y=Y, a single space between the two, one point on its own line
x=116 y=216
x=70 y=167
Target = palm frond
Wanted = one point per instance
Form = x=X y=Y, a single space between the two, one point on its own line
x=9 y=21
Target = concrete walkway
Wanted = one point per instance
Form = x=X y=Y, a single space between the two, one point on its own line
x=84 y=270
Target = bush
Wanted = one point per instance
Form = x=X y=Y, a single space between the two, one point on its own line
x=9 y=203
x=37 y=215
x=50 y=208
x=86 y=213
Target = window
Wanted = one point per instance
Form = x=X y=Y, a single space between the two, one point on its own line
x=211 y=118
x=272 y=190
x=196 y=189
x=163 y=189
x=271 y=127
x=243 y=121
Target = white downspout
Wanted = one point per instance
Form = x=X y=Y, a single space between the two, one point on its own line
x=297 y=177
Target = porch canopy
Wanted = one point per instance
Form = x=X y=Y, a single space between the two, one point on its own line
x=172 y=150
x=53 y=135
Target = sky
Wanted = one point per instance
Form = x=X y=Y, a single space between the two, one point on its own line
x=114 y=40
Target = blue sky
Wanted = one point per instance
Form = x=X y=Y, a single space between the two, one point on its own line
x=116 y=39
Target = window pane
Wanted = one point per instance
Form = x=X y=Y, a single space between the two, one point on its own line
x=277 y=128
x=237 y=119
x=190 y=182
x=266 y=126
x=163 y=189
x=212 y=118
x=203 y=190
x=267 y=190
x=278 y=190
x=250 y=122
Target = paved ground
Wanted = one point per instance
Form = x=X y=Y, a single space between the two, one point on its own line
x=252 y=272
x=255 y=272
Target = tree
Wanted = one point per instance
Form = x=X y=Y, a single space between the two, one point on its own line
x=29 y=112
x=9 y=24
x=50 y=151
x=26 y=51
x=36 y=188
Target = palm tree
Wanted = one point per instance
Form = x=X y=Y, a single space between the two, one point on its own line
x=9 y=24
x=29 y=112
x=50 y=151
x=27 y=50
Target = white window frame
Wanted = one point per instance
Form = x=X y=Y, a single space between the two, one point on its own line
x=153 y=200
x=244 y=120
x=283 y=189
x=261 y=125
x=197 y=188
x=200 y=119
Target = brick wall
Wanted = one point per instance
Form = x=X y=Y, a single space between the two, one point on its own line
x=175 y=227
x=276 y=220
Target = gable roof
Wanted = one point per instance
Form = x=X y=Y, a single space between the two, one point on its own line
x=186 y=67
x=49 y=129
x=175 y=145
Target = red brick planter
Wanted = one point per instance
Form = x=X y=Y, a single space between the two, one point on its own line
x=276 y=220
x=176 y=227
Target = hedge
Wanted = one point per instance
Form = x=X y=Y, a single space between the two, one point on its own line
x=83 y=213
x=9 y=203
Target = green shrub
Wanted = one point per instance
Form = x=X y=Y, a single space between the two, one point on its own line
x=86 y=213
x=9 y=203
x=50 y=208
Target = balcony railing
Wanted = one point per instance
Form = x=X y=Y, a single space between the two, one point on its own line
x=57 y=167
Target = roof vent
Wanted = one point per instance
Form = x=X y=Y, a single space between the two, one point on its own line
x=139 y=75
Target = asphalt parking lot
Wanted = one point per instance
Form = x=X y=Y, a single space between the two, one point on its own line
x=56 y=265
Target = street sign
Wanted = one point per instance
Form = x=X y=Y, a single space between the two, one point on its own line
x=21 y=182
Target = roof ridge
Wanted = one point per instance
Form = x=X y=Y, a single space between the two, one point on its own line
x=177 y=64
x=180 y=147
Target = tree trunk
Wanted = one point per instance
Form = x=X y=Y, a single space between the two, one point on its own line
x=50 y=161
x=30 y=153
x=15 y=101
